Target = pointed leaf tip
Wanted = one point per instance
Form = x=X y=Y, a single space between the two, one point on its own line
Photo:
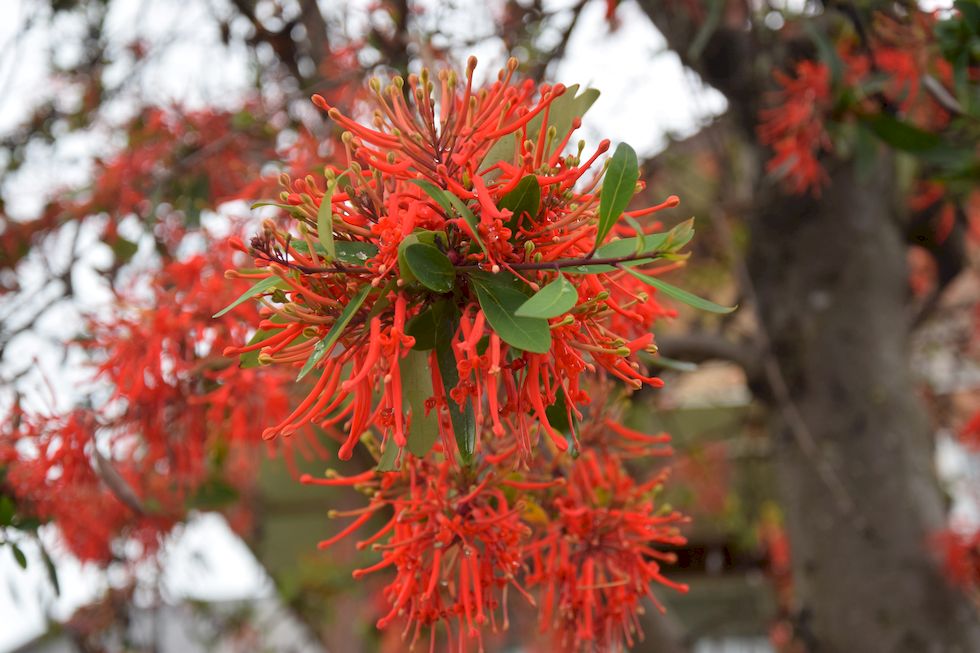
x=555 y=299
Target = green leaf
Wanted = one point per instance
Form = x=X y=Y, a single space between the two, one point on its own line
x=262 y=286
x=502 y=150
x=558 y=297
x=389 y=457
x=450 y=203
x=322 y=347
x=290 y=208
x=617 y=188
x=430 y=267
x=324 y=223
x=7 y=510
x=462 y=417
x=623 y=247
x=500 y=301
x=49 y=567
x=324 y=219
x=563 y=420
x=581 y=105
x=355 y=252
x=562 y=113
x=124 y=249
x=250 y=359
x=422 y=327
x=707 y=29
x=681 y=295
x=421 y=236
x=19 y=555
x=827 y=52
x=215 y=493
x=416 y=389
x=656 y=245
x=673 y=364
x=525 y=198
x=902 y=135
x=383 y=302
x=678 y=237
x=352 y=252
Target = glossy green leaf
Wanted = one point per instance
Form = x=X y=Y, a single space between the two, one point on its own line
x=462 y=417
x=416 y=390
x=354 y=252
x=422 y=236
x=555 y=299
x=618 y=188
x=680 y=294
x=430 y=267
x=324 y=223
x=525 y=198
x=657 y=245
x=500 y=301
x=322 y=347
x=262 y=286
x=422 y=327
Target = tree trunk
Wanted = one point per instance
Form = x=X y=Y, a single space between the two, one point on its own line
x=831 y=283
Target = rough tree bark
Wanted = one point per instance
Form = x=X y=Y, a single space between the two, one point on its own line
x=830 y=282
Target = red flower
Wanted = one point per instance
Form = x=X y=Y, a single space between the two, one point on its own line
x=456 y=543
x=597 y=560
x=793 y=128
x=961 y=552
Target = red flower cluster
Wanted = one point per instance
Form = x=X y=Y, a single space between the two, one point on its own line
x=794 y=126
x=179 y=417
x=580 y=535
x=885 y=75
x=484 y=191
x=59 y=482
x=596 y=560
x=454 y=290
x=961 y=553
